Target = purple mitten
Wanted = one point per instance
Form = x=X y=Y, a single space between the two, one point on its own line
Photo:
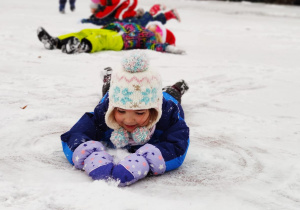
x=99 y=165
x=84 y=150
x=153 y=157
x=131 y=169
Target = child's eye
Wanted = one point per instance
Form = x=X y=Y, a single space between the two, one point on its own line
x=121 y=111
x=140 y=113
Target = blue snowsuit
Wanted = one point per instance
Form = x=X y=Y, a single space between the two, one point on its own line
x=171 y=135
x=143 y=21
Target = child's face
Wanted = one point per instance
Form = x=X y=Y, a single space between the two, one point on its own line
x=131 y=119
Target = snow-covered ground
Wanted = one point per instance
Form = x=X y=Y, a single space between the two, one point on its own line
x=243 y=68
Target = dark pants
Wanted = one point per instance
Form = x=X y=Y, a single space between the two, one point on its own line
x=62 y=4
x=143 y=21
x=146 y=18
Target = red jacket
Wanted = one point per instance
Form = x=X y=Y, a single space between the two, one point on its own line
x=120 y=9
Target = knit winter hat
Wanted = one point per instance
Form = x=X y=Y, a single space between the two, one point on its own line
x=94 y=4
x=166 y=35
x=134 y=86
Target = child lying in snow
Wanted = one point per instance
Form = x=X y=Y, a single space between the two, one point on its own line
x=103 y=15
x=115 y=36
x=135 y=115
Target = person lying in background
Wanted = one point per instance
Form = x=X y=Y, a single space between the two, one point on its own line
x=115 y=36
x=158 y=12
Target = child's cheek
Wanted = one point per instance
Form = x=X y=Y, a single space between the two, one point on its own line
x=144 y=121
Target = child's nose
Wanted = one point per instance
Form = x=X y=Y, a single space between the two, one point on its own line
x=129 y=119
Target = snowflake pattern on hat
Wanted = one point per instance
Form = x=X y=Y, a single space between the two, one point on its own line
x=149 y=95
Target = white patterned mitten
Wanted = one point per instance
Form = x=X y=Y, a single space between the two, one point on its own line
x=174 y=50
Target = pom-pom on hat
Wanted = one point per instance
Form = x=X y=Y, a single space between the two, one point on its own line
x=134 y=86
x=166 y=35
